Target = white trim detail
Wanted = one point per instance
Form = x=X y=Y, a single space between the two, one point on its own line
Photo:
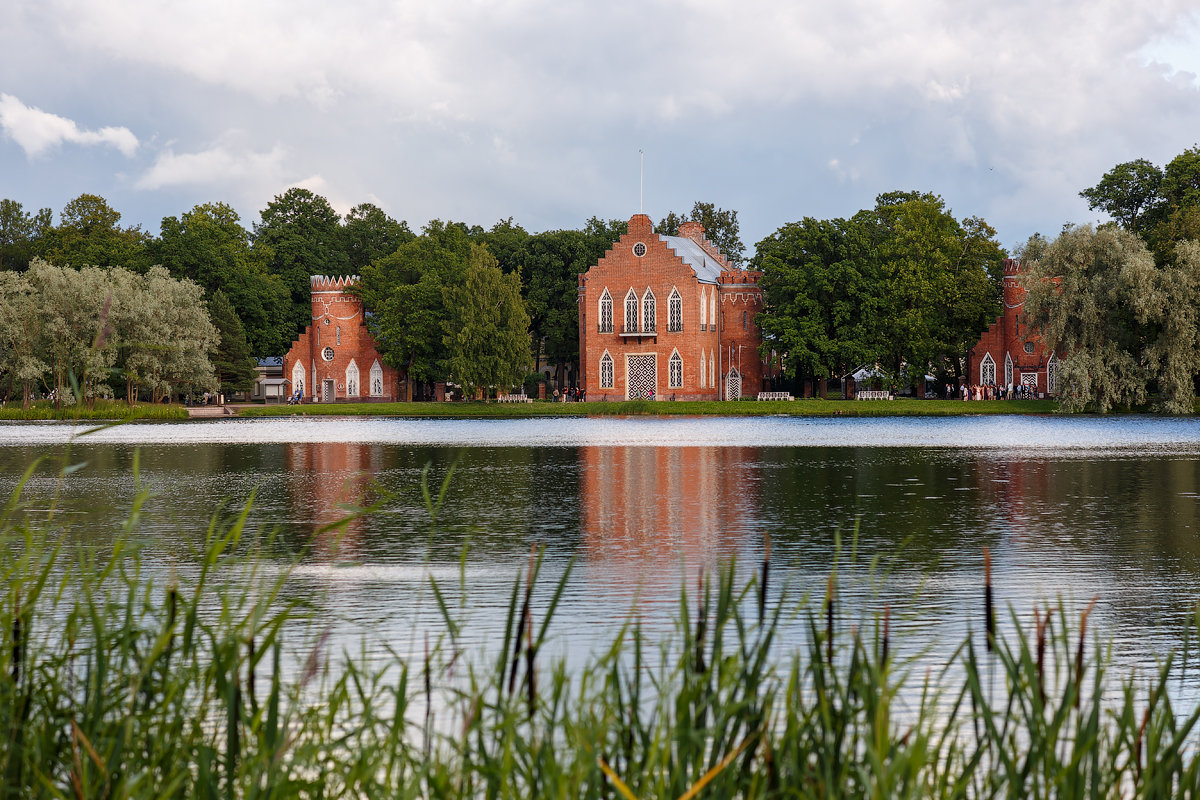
x=987 y=370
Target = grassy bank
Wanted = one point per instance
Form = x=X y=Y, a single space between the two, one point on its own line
x=903 y=407
x=104 y=410
x=112 y=689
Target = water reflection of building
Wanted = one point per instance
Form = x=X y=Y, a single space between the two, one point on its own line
x=328 y=479
x=651 y=515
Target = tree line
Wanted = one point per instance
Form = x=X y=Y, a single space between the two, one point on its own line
x=1120 y=301
x=458 y=302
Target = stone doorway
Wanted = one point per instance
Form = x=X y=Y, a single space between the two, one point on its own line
x=327 y=395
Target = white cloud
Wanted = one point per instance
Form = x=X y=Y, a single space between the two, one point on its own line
x=37 y=131
x=222 y=164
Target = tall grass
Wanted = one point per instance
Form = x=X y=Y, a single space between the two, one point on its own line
x=112 y=686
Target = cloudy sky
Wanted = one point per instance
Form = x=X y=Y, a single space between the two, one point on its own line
x=536 y=109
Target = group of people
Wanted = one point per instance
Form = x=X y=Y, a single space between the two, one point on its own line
x=990 y=391
x=572 y=394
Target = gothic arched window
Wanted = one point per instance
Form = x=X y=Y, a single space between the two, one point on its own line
x=1008 y=369
x=1052 y=375
x=606 y=371
x=376 y=380
x=676 y=371
x=351 y=379
x=648 y=318
x=631 y=312
x=987 y=370
x=606 y=312
x=674 y=311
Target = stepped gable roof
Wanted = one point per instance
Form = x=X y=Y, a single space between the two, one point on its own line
x=707 y=268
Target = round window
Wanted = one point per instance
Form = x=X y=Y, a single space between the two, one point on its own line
x=639 y=249
x=1029 y=347
x=327 y=354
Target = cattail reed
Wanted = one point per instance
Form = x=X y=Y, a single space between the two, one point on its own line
x=887 y=620
x=16 y=642
x=1041 y=624
x=521 y=620
x=1083 y=618
x=530 y=675
x=701 y=620
x=428 y=700
x=829 y=620
x=250 y=672
x=766 y=573
x=989 y=612
x=1137 y=745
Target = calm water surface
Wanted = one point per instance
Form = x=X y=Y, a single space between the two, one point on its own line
x=1070 y=508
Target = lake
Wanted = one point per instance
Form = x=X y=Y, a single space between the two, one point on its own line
x=1070 y=507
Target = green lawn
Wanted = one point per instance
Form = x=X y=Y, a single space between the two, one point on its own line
x=903 y=407
x=104 y=410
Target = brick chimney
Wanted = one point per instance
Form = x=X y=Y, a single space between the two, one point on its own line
x=692 y=230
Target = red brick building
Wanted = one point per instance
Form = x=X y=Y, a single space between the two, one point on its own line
x=335 y=358
x=668 y=317
x=1009 y=352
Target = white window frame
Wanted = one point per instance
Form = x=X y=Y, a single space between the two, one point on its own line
x=606 y=312
x=353 y=387
x=675 y=371
x=1052 y=374
x=987 y=369
x=674 y=311
x=703 y=308
x=606 y=371
x=298 y=378
x=1008 y=369
x=376 y=379
x=703 y=374
x=649 y=317
x=631 y=304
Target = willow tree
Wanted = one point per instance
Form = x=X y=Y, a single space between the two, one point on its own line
x=1122 y=326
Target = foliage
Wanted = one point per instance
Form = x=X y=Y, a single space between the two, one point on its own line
x=89 y=234
x=67 y=330
x=1162 y=205
x=904 y=284
x=209 y=246
x=407 y=292
x=1122 y=324
x=368 y=233
x=720 y=227
x=818 y=279
x=299 y=236
x=487 y=328
x=114 y=686
x=234 y=367
x=21 y=234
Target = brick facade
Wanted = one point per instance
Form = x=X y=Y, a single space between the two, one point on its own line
x=1009 y=352
x=668 y=315
x=335 y=359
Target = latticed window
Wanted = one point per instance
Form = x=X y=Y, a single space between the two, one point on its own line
x=676 y=370
x=703 y=312
x=987 y=370
x=352 y=379
x=674 y=311
x=648 y=319
x=631 y=312
x=606 y=371
x=1052 y=375
x=1008 y=369
x=376 y=380
x=606 y=324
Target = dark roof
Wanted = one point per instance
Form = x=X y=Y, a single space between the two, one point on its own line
x=271 y=361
